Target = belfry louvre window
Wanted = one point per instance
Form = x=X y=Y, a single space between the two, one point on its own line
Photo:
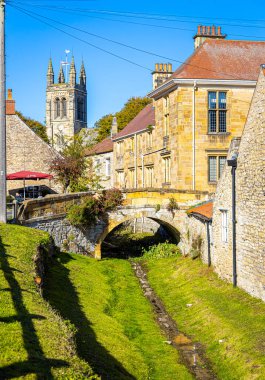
x=57 y=107
x=64 y=109
x=217 y=112
x=216 y=166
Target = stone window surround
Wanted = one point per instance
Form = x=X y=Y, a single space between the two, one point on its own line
x=218 y=155
x=217 y=113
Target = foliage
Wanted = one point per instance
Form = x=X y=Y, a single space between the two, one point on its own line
x=110 y=199
x=35 y=125
x=116 y=330
x=34 y=340
x=130 y=109
x=73 y=170
x=161 y=251
x=157 y=208
x=172 y=205
x=91 y=207
x=228 y=322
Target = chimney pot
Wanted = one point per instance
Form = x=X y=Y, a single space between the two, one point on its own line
x=209 y=30
x=219 y=30
x=199 y=29
x=160 y=67
x=213 y=30
x=165 y=67
x=170 y=67
x=203 y=30
x=156 y=67
x=9 y=94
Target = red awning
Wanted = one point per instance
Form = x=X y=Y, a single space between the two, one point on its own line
x=28 y=175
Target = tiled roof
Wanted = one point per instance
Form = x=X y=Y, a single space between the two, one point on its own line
x=104 y=146
x=223 y=59
x=141 y=121
x=205 y=210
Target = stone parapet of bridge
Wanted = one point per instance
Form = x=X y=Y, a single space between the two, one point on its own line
x=49 y=214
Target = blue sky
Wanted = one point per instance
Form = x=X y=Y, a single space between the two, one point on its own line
x=111 y=81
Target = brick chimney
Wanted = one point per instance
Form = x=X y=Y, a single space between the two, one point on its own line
x=204 y=32
x=10 y=103
x=161 y=73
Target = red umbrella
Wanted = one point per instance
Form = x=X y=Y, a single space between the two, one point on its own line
x=25 y=174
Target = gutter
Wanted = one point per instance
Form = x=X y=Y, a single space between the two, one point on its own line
x=175 y=82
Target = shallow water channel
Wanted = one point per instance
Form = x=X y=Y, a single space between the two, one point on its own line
x=191 y=353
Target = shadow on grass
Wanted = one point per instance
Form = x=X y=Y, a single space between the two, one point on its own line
x=62 y=295
x=37 y=363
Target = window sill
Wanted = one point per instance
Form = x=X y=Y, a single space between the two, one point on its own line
x=219 y=133
x=212 y=183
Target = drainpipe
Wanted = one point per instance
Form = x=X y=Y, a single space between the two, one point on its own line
x=208 y=242
x=135 y=161
x=193 y=133
x=233 y=163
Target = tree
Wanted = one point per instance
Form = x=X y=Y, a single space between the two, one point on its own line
x=35 y=125
x=73 y=169
x=130 y=109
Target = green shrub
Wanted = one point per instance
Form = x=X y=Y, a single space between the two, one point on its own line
x=160 y=251
x=91 y=208
x=172 y=205
x=158 y=207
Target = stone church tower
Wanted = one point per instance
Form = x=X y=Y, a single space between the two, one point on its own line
x=66 y=104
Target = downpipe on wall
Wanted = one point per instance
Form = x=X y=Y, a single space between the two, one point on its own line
x=233 y=163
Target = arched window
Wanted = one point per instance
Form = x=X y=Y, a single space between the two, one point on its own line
x=57 y=107
x=64 y=108
x=80 y=109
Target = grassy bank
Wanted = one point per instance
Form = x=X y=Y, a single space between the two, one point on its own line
x=228 y=322
x=116 y=330
x=34 y=342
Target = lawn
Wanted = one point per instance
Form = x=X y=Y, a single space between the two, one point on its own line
x=35 y=343
x=227 y=321
x=116 y=333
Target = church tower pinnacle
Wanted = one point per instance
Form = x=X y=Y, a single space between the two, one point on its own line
x=50 y=74
x=66 y=103
x=72 y=74
x=82 y=75
x=61 y=78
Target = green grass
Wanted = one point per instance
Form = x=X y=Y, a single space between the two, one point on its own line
x=218 y=312
x=116 y=333
x=35 y=343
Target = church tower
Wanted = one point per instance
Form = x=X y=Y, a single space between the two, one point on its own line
x=66 y=104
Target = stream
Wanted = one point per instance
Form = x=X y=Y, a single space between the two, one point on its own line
x=191 y=353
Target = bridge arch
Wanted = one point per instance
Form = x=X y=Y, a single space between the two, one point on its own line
x=113 y=223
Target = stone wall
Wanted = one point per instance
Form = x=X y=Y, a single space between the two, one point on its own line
x=250 y=204
x=27 y=151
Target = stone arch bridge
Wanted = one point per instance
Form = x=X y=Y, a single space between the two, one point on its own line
x=49 y=214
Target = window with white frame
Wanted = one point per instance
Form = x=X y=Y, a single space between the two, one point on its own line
x=149 y=139
x=107 y=163
x=224 y=216
x=166 y=115
x=167 y=169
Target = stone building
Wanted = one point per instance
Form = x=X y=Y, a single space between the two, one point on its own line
x=201 y=108
x=102 y=157
x=25 y=149
x=196 y=113
x=66 y=104
x=250 y=204
x=133 y=163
